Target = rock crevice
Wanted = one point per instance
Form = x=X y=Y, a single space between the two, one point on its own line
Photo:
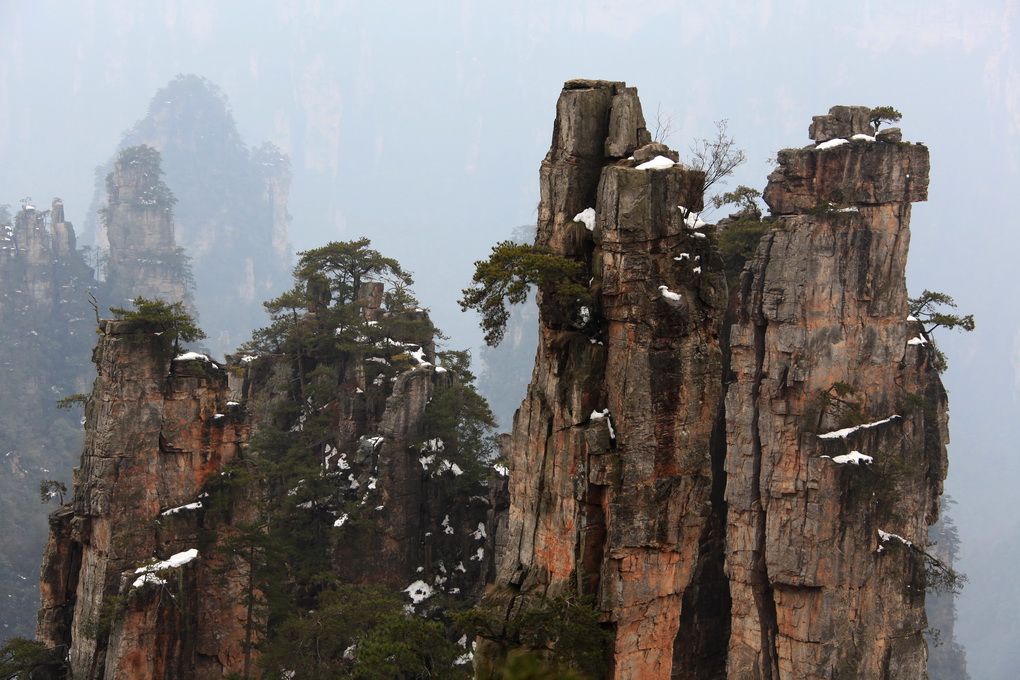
x=716 y=527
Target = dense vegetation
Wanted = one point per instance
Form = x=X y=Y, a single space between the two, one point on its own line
x=507 y=276
x=175 y=324
x=307 y=612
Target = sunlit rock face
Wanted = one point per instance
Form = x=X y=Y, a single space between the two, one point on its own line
x=817 y=591
x=669 y=458
x=158 y=431
x=611 y=470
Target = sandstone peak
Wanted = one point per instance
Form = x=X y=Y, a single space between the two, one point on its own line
x=844 y=171
x=667 y=459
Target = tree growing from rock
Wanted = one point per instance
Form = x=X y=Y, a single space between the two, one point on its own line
x=928 y=310
x=738 y=236
x=506 y=277
x=884 y=114
x=169 y=320
x=717 y=157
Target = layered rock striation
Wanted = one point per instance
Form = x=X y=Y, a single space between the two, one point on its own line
x=746 y=495
x=152 y=569
x=158 y=431
x=611 y=470
x=822 y=341
x=741 y=481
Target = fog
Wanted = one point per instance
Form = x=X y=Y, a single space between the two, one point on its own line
x=421 y=125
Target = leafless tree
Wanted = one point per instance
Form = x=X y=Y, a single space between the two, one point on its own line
x=718 y=157
x=665 y=125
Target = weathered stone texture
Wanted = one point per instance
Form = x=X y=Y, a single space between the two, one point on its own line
x=155 y=440
x=815 y=593
x=859 y=172
x=159 y=433
x=842 y=122
x=610 y=463
x=631 y=481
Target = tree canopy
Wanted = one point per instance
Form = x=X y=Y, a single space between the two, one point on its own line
x=322 y=313
x=170 y=320
x=884 y=114
x=361 y=632
x=739 y=236
x=506 y=277
x=342 y=266
x=927 y=309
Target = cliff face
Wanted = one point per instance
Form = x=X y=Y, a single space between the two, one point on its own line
x=611 y=470
x=148 y=572
x=742 y=481
x=685 y=467
x=158 y=431
x=817 y=591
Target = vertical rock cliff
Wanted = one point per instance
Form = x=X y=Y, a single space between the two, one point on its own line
x=158 y=431
x=149 y=570
x=740 y=481
x=611 y=470
x=747 y=495
x=827 y=365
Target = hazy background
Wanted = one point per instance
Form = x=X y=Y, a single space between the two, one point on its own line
x=421 y=125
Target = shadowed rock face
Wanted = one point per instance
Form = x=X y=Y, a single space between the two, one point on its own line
x=816 y=592
x=648 y=452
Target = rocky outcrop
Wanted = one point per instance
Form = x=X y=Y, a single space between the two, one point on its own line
x=741 y=481
x=158 y=431
x=611 y=470
x=822 y=341
x=35 y=254
x=746 y=499
x=144 y=259
x=148 y=572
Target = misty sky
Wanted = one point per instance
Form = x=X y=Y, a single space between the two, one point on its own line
x=422 y=124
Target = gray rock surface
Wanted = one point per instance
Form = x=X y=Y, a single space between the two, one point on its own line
x=858 y=172
x=842 y=122
x=144 y=259
x=610 y=459
x=816 y=591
